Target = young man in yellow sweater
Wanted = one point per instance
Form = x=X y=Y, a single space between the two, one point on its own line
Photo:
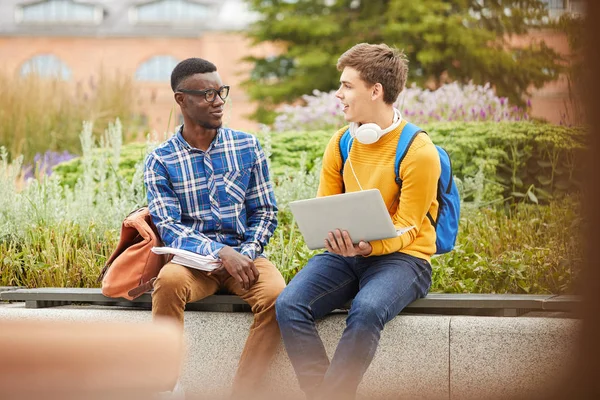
x=382 y=276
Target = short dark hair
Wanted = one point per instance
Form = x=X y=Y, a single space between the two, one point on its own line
x=189 y=67
x=378 y=63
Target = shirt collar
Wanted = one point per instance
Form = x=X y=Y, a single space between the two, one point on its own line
x=183 y=143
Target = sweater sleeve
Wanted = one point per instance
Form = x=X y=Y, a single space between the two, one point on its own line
x=331 y=181
x=419 y=172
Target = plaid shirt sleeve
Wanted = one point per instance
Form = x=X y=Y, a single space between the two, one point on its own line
x=166 y=213
x=261 y=208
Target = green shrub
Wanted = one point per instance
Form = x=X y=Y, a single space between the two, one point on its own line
x=494 y=161
x=513 y=160
x=129 y=157
x=288 y=147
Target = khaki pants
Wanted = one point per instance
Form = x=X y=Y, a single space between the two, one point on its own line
x=177 y=285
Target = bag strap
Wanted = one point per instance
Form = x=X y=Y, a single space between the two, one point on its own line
x=346 y=141
x=407 y=136
x=141 y=289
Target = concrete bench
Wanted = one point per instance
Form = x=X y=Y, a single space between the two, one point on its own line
x=434 y=303
x=419 y=357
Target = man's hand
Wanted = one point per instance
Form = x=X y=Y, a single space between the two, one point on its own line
x=240 y=267
x=341 y=243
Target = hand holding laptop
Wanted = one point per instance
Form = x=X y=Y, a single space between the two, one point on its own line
x=339 y=242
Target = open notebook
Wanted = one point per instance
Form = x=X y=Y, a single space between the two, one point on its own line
x=189 y=259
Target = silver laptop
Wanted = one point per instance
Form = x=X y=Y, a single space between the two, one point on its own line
x=363 y=214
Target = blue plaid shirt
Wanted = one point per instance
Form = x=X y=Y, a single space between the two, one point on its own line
x=203 y=200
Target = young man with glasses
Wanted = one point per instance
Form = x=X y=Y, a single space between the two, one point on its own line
x=209 y=192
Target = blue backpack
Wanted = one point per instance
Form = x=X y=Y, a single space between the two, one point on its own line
x=446 y=223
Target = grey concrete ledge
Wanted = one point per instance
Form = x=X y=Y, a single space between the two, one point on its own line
x=510 y=357
x=434 y=303
x=9 y=288
x=419 y=357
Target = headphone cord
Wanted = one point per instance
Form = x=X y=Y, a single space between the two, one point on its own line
x=351 y=167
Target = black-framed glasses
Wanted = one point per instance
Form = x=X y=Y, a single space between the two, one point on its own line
x=209 y=94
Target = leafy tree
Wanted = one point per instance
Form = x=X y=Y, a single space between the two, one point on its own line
x=444 y=40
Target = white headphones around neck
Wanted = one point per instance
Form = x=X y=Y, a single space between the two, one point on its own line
x=371 y=132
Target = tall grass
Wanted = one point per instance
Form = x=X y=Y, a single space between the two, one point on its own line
x=522 y=248
x=39 y=114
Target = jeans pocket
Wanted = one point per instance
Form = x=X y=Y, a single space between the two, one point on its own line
x=428 y=276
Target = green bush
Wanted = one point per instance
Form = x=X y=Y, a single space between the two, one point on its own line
x=286 y=149
x=513 y=160
x=494 y=161
x=131 y=154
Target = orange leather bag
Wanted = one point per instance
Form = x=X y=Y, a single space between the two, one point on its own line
x=132 y=268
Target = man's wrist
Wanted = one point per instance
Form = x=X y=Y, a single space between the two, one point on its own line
x=224 y=251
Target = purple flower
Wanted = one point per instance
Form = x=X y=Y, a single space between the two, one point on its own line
x=43 y=163
x=447 y=103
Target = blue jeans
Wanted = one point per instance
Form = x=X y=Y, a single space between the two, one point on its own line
x=381 y=287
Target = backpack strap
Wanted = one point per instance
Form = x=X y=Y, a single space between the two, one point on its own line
x=345 y=145
x=407 y=136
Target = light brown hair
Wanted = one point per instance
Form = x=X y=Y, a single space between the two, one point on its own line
x=378 y=63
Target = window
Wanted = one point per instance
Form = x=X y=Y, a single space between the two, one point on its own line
x=556 y=8
x=59 y=11
x=170 y=11
x=577 y=6
x=47 y=66
x=554 y=4
x=157 y=68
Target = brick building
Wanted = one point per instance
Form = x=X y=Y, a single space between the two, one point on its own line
x=146 y=38
x=143 y=39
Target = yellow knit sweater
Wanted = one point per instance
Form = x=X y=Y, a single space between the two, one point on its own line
x=374 y=168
